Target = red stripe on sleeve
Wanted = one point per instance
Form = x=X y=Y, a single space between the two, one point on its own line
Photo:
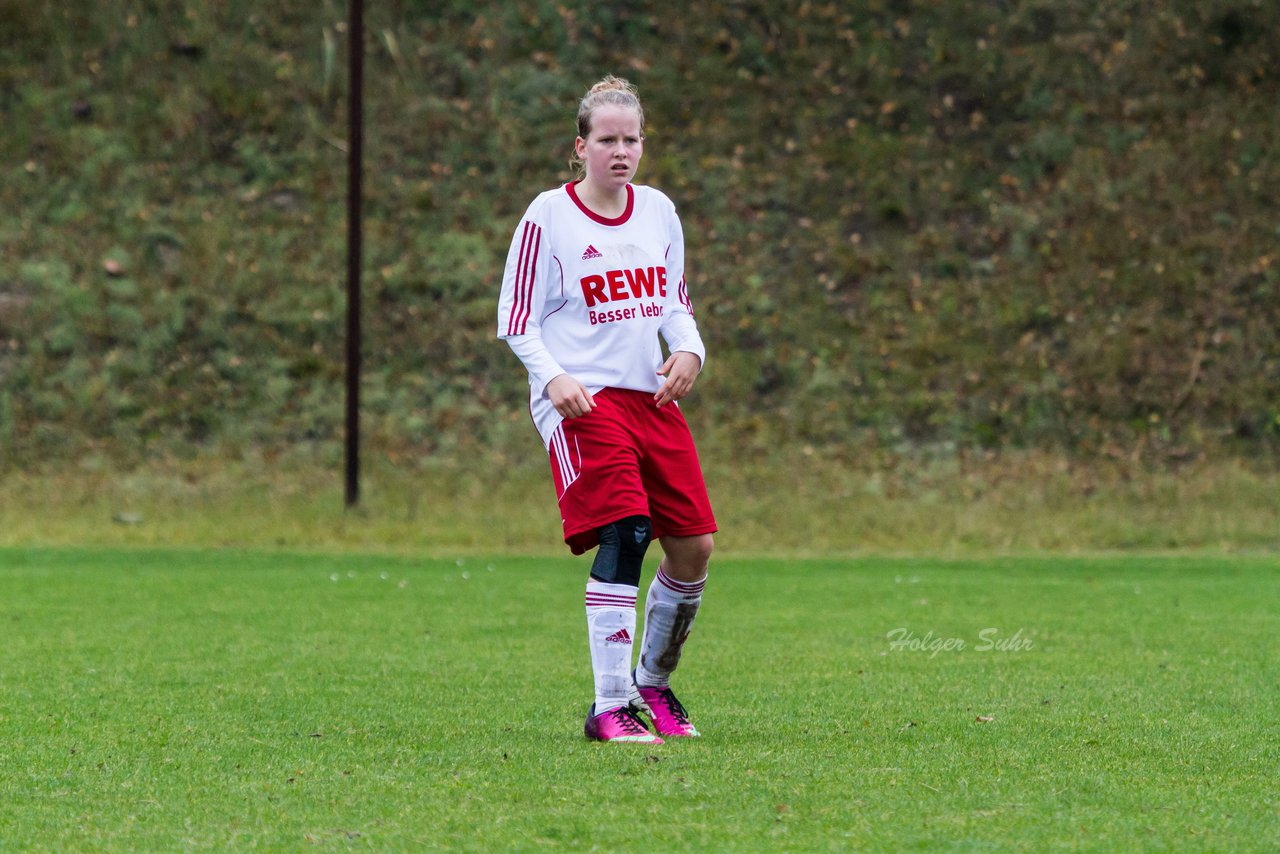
x=684 y=296
x=526 y=275
x=518 y=300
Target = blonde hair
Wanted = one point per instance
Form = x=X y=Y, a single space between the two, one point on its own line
x=610 y=91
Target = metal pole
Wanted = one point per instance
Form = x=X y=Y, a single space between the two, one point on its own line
x=355 y=139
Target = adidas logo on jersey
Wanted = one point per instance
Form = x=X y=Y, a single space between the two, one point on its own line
x=620 y=636
x=591 y=252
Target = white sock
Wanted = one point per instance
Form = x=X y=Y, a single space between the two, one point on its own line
x=669 y=609
x=611 y=624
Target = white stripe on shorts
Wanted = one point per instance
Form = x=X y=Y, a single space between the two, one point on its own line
x=560 y=447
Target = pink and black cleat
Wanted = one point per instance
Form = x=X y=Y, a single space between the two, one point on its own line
x=621 y=724
x=669 y=717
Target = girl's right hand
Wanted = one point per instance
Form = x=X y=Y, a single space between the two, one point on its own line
x=570 y=397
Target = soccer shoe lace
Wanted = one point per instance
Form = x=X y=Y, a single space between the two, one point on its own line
x=675 y=707
x=668 y=713
x=627 y=722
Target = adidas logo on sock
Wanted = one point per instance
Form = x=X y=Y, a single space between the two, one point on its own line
x=620 y=636
x=591 y=252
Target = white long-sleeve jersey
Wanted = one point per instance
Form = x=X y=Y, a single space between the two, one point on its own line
x=588 y=296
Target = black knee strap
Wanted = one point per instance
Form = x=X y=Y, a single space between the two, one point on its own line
x=622 y=547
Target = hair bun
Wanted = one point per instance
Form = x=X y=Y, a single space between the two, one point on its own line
x=610 y=83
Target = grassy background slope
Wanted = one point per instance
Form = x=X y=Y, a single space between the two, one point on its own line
x=911 y=224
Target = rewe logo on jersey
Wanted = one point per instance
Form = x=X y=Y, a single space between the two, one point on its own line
x=624 y=284
x=591 y=252
x=620 y=636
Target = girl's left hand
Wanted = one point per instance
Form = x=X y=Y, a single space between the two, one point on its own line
x=680 y=369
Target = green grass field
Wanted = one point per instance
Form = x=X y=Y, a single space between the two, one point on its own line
x=160 y=700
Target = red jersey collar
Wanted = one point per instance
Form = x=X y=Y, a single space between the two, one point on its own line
x=626 y=213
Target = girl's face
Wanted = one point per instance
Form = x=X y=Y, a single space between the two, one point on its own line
x=612 y=150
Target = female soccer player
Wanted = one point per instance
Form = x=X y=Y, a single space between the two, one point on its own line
x=595 y=274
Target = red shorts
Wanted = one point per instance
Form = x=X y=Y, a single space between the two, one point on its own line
x=628 y=458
